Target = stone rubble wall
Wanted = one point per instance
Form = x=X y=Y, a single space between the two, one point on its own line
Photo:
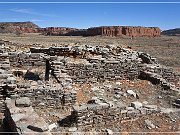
x=169 y=90
x=102 y=63
x=166 y=73
x=101 y=71
x=22 y=119
x=49 y=97
x=26 y=59
x=93 y=114
x=99 y=63
x=7 y=81
x=87 y=64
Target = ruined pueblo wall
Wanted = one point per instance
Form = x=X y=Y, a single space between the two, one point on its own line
x=87 y=63
x=48 y=97
x=26 y=59
x=95 y=115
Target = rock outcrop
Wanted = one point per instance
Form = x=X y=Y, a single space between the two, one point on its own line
x=18 y=27
x=124 y=30
x=112 y=31
x=57 y=31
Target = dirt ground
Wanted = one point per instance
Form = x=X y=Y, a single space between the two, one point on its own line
x=165 y=48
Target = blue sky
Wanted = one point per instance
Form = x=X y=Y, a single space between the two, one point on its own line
x=165 y=16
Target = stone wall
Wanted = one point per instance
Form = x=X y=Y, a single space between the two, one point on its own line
x=82 y=63
x=48 y=97
x=26 y=59
x=7 y=81
x=102 y=70
x=94 y=115
x=164 y=72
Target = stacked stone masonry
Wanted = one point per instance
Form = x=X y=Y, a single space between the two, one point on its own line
x=94 y=115
x=26 y=59
x=48 y=97
x=86 y=63
x=7 y=81
x=20 y=117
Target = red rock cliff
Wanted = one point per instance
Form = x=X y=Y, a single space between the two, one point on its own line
x=57 y=31
x=22 y=27
x=124 y=30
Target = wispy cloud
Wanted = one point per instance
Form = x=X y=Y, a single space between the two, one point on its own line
x=31 y=12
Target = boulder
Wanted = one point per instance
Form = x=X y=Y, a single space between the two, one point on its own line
x=39 y=125
x=23 y=102
x=72 y=129
x=149 y=124
x=136 y=104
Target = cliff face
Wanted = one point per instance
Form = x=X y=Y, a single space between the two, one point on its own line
x=29 y=27
x=104 y=31
x=141 y=31
x=57 y=31
x=124 y=30
x=22 y=27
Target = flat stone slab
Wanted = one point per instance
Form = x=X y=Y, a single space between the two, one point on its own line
x=136 y=104
x=23 y=102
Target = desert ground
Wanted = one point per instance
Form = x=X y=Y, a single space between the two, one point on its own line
x=165 y=48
